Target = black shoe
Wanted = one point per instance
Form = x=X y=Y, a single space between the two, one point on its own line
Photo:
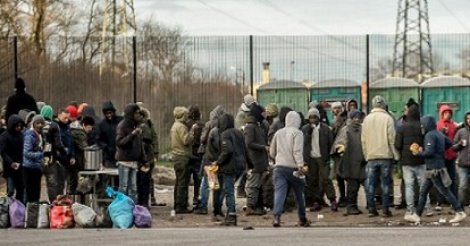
x=183 y=211
x=304 y=222
x=230 y=220
x=402 y=205
x=387 y=214
x=277 y=221
x=342 y=202
x=200 y=211
x=353 y=210
x=373 y=213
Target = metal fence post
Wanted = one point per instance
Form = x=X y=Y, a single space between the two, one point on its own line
x=134 y=52
x=367 y=73
x=251 y=65
x=15 y=53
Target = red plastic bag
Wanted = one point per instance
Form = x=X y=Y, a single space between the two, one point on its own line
x=62 y=213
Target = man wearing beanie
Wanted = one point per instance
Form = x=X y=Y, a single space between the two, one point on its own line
x=378 y=140
x=248 y=100
x=181 y=148
x=20 y=100
x=53 y=148
x=107 y=134
x=33 y=156
x=318 y=140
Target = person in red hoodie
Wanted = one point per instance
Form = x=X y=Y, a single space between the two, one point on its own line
x=448 y=127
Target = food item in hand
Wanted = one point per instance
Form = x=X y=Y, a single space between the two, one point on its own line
x=414 y=148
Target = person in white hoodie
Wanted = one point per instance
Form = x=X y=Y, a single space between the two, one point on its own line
x=287 y=150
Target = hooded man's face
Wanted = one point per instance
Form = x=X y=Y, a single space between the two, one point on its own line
x=19 y=127
x=467 y=119
x=447 y=115
x=138 y=116
x=109 y=114
x=38 y=125
x=352 y=106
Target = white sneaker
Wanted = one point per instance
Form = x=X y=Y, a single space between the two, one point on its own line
x=459 y=216
x=428 y=212
x=412 y=217
x=438 y=208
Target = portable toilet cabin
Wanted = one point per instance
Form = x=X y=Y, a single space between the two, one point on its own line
x=396 y=91
x=284 y=93
x=451 y=90
x=333 y=90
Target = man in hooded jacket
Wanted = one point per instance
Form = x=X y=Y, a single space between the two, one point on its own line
x=448 y=127
x=11 y=151
x=130 y=152
x=181 y=148
x=107 y=134
x=20 y=100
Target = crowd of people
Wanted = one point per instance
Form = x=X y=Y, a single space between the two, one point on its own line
x=275 y=157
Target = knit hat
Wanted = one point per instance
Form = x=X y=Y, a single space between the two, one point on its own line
x=47 y=112
x=72 y=111
x=249 y=99
x=313 y=104
x=313 y=111
x=19 y=84
x=36 y=118
x=272 y=110
x=356 y=114
x=337 y=105
x=379 y=102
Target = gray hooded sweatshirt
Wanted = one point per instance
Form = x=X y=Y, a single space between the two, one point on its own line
x=287 y=144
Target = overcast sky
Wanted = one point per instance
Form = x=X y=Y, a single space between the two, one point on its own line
x=297 y=17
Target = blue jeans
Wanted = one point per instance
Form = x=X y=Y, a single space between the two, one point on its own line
x=410 y=175
x=228 y=188
x=204 y=192
x=464 y=174
x=283 y=178
x=445 y=191
x=374 y=170
x=452 y=170
x=128 y=181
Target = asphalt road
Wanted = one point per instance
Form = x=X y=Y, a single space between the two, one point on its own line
x=237 y=236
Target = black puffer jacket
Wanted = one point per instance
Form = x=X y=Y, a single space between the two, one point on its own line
x=11 y=145
x=409 y=133
x=129 y=146
x=232 y=158
x=255 y=143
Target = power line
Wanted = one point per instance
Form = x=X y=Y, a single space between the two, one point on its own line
x=277 y=37
x=455 y=17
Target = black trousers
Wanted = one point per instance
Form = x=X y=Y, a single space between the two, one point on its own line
x=143 y=187
x=32 y=184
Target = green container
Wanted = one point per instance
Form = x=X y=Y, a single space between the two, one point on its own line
x=396 y=91
x=334 y=90
x=284 y=93
x=451 y=90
